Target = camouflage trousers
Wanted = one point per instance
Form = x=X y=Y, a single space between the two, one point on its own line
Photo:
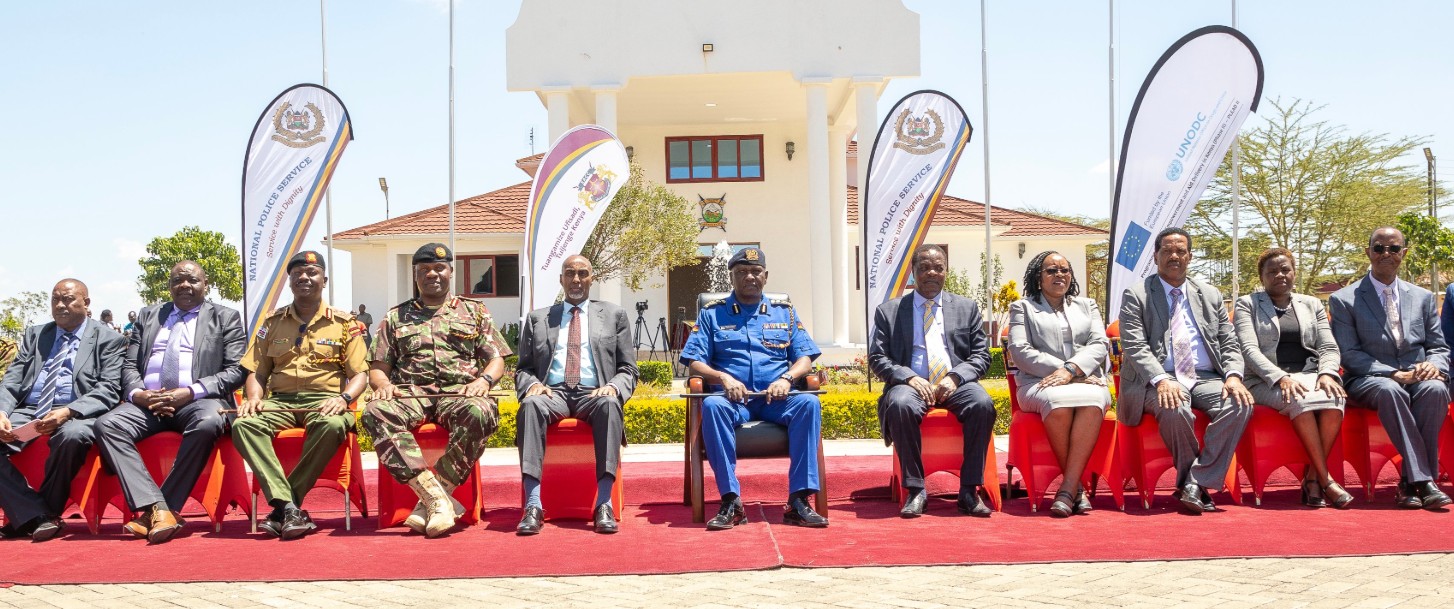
x=469 y=421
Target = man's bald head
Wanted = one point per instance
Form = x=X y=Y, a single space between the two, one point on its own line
x=69 y=301
x=576 y=276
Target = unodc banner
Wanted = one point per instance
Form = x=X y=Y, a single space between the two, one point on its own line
x=577 y=179
x=290 y=158
x=1185 y=118
x=913 y=156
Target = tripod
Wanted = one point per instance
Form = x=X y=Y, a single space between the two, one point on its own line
x=651 y=336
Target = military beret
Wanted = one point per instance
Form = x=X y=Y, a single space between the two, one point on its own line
x=432 y=252
x=748 y=255
x=306 y=257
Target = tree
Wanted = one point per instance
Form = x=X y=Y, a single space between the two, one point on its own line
x=970 y=284
x=208 y=248
x=19 y=311
x=1430 y=243
x=1097 y=255
x=1309 y=187
x=646 y=231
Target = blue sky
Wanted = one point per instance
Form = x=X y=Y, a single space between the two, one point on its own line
x=126 y=121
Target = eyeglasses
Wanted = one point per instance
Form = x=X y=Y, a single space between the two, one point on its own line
x=1392 y=249
x=1055 y=271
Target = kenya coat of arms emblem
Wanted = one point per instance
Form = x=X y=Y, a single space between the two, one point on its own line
x=919 y=134
x=298 y=128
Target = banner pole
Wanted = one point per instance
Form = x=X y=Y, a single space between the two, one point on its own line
x=984 y=70
x=327 y=194
x=455 y=264
x=1111 y=88
x=1236 y=198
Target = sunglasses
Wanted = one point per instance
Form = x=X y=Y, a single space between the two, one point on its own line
x=298 y=342
x=1392 y=249
x=1055 y=271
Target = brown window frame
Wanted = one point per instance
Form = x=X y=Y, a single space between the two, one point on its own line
x=714 y=139
x=494 y=267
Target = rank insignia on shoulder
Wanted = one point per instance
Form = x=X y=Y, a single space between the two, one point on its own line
x=781 y=302
x=330 y=342
x=713 y=303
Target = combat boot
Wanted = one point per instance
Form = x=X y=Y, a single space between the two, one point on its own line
x=416 y=518
x=439 y=513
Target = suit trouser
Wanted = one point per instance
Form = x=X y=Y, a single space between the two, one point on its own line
x=800 y=413
x=118 y=431
x=470 y=422
x=537 y=412
x=1205 y=464
x=68 y=447
x=1411 y=414
x=254 y=435
x=901 y=411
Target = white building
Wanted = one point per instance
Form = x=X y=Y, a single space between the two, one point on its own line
x=715 y=101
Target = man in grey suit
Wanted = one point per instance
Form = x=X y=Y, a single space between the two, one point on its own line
x=576 y=359
x=67 y=373
x=182 y=365
x=1180 y=354
x=1395 y=361
x=930 y=350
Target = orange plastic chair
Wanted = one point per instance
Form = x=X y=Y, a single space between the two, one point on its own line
x=1269 y=443
x=943 y=451
x=396 y=500
x=568 y=476
x=343 y=473
x=1446 y=444
x=31 y=464
x=1030 y=452
x=223 y=482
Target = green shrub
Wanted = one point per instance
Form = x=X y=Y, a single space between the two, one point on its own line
x=997 y=363
x=654 y=373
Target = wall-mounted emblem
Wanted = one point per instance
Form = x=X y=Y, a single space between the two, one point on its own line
x=712 y=215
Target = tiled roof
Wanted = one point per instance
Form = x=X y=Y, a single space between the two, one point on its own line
x=954 y=211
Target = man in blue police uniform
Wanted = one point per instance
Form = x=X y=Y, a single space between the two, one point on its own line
x=746 y=344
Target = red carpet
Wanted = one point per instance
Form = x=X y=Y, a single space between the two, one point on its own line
x=659 y=537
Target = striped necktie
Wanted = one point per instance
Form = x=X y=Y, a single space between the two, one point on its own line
x=52 y=375
x=934 y=345
x=1182 y=358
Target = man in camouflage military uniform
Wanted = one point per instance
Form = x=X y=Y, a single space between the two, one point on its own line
x=436 y=343
x=305 y=355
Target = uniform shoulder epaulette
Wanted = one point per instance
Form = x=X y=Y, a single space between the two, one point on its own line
x=279 y=311
x=780 y=302
x=712 y=303
x=340 y=314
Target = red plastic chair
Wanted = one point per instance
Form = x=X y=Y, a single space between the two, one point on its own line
x=1269 y=443
x=1030 y=452
x=223 y=482
x=943 y=451
x=568 y=476
x=343 y=473
x=1446 y=444
x=1366 y=446
x=396 y=500
x=31 y=463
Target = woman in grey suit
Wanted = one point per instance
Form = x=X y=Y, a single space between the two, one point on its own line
x=1059 y=344
x=1292 y=366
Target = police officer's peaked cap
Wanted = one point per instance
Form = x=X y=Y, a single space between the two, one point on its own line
x=306 y=257
x=748 y=255
x=432 y=252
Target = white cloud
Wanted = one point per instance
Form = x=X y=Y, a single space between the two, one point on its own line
x=129 y=250
x=1101 y=168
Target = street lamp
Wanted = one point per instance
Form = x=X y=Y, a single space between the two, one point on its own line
x=384 y=186
x=1433 y=211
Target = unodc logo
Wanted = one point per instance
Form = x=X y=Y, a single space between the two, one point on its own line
x=1173 y=171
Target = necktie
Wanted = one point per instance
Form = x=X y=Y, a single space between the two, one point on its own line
x=1395 y=324
x=573 y=349
x=934 y=345
x=171 y=376
x=1181 y=351
x=52 y=374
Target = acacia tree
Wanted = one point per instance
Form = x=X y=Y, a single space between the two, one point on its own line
x=19 y=311
x=209 y=249
x=1308 y=186
x=1097 y=255
x=646 y=231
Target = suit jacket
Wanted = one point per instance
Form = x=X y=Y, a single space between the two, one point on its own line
x=96 y=374
x=1259 y=331
x=1146 y=339
x=612 y=350
x=1361 y=328
x=217 y=348
x=1037 y=345
x=891 y=347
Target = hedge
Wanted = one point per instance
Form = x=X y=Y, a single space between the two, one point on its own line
x=654 y=373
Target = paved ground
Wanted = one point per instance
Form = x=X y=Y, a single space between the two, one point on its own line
x=1388 y=581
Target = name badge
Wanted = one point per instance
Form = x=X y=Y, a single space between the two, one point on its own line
x=727 y=327
x=280 y=341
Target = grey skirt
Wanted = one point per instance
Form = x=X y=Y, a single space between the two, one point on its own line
x=1042 y=400
x=1270 y=396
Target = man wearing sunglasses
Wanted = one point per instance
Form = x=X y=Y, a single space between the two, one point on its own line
x=306 y=355
x=1396 y=361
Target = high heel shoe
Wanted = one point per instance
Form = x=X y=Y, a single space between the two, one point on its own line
x=1313 y=494
x=1336 y=495
x=1082 y=502
x=1063 y=506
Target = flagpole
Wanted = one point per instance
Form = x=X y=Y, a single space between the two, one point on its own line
x=327 y=194
x=1111 y=63
x=1236 y=198
x=451 y=133
x=984 y=132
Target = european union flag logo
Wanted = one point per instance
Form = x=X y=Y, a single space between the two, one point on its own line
x=1132 y=245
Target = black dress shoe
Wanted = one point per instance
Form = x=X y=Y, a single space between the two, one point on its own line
x=530 y=522
x=24 y=529
x=799 y=514
x=1407 y=498
x=1191 y=498
x=1207 y=505
x=729 y=515
x=296 y=523
x=48 y=529
x=1431 y=498
x=273 y=524
x=605 y=521
x=1082 y=503
x=970 y=504
x=914 y=505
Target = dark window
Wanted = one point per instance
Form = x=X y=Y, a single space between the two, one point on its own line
x=732 y=158
x=488 y=276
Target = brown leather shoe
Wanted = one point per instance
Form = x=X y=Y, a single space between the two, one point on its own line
x=139 y=526
x=164 y=524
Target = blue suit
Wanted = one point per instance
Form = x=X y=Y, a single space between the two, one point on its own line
x=755 y=344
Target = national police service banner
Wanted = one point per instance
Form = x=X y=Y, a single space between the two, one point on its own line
x=294 y=149
x=577 y=179
x=913 y=156
x=1185 y=118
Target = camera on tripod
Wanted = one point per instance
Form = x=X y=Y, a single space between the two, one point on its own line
x=641 y=307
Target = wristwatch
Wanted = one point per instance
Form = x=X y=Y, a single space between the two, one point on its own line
x=788 y=377
x=1071 y=368
x=488 y=379
x=346 y=397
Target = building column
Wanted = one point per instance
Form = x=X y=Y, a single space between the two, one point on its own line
x=609 y=290
x=557 y=103
x=838 y=216
x=865 y=93
x=820 y=243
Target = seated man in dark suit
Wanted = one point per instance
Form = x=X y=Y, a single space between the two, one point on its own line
x=576 y=359
x=182 y=365
x=68 y=372
x=1396 y=361
x=930 y=349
